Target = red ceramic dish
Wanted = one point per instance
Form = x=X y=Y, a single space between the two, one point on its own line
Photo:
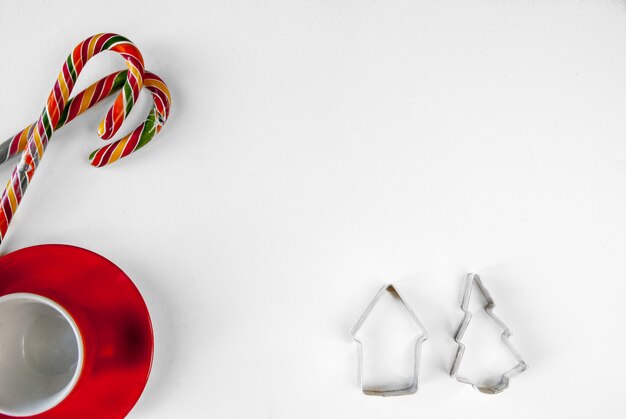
x=112 y=318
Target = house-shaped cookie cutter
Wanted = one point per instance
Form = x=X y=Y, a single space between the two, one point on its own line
x=412 y=388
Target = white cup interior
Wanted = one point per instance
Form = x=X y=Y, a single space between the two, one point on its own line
x=41 y=354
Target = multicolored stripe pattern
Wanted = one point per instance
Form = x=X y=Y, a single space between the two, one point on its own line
x=90 y=97
x=60 y=109
x=145 y=132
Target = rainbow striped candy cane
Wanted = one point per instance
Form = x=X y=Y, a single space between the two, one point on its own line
x=40 y=133
x=144 y=133
x=90 y=97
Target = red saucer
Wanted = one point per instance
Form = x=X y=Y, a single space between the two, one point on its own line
x=112 y=317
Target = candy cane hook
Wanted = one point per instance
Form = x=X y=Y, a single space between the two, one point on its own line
x=90 y=97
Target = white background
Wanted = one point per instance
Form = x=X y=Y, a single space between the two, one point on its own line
x=318 y=149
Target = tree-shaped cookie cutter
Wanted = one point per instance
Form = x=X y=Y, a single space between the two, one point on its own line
x=474 y=279
x=412 y=388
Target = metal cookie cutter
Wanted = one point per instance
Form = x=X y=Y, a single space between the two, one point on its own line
x=412 y=388
x=506 y=334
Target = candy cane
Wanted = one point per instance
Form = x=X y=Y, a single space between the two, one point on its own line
x=145 y=132
x=41 y=132
x=90 y=97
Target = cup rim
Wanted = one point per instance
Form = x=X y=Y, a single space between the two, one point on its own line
x=79 y=340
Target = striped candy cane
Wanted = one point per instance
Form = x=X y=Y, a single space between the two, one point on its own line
x=145 y=132
x=41 y=132
x=90 y=97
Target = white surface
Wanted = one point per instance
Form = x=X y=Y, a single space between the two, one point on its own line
x=318 y=149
